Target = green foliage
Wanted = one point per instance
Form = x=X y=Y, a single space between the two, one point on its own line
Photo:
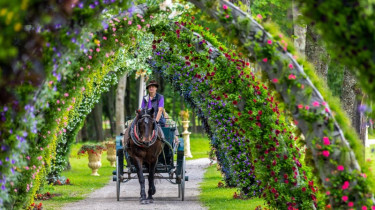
x=348 y=30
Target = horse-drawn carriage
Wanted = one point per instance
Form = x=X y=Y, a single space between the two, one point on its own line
x=166 y=167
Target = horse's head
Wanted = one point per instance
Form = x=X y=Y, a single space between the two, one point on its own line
x=146 y=124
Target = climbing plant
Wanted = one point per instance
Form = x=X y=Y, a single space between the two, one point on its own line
x=258 y=137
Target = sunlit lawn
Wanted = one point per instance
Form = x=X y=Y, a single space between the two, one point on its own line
x=222 y=198
x=82 y=182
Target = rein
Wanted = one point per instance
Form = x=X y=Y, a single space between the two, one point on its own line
x=134 y=133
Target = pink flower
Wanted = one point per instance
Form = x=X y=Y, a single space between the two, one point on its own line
x=328 y=193
x=340 y=168
x=275 y=80
x=307 y=107
x=325 y=153
x=350 y=204
x=265 y=60
x=259 y=16
x=143 y=20
x=66 y=94
x=345 y=185
x=344 y=198
x=300 y=106
x=316 y=104
x=40 y=158
x=269 y=41
x=363 y=175
x=364 y=207
x=326 y=141
x=90 y=57
x=291 y=66
x=292 y=76
x=225 y=7
x=139 y=27
x=327 y=110
x=27 y=167
x=227 y=16
x=113 y=29
x=97 y=50
x=324 y=103
x=129 y=22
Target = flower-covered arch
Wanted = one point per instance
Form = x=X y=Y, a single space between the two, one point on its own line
x=255 y=141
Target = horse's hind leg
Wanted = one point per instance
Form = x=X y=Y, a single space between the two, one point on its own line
x=141 y=179
x=151 y=183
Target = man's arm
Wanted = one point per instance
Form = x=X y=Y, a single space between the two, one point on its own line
x=160 y=109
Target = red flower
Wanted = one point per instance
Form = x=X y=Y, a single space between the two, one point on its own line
x=303 y=189
x=250 y=112
x=235 y=102
x=189 y=45
x=260 y=112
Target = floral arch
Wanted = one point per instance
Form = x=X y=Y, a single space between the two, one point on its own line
x=256 y=143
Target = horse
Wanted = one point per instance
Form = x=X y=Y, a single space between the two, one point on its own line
x=144 y=142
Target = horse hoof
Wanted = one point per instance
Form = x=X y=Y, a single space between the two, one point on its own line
x=145 y=201
x=151 y=200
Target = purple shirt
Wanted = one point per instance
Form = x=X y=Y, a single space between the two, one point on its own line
x=149 y=106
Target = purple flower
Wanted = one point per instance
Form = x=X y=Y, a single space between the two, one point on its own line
x=104 y=24
x=5 y=109
x=13 y=161
x=362 y=108
x=3 y=187
x=80 y=5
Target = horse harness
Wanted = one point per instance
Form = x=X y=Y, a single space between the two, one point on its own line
x=134 y=132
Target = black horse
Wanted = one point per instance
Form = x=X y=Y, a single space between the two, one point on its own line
x=143 y=142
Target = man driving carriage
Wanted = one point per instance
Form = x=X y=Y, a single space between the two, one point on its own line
x=156 y=101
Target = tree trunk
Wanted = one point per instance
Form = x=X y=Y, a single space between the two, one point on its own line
x=110 y=109
x=316 y=52
x=83 y=131
x=299 y=32
x=127 y=100
x=98 y=122
x=120 y=105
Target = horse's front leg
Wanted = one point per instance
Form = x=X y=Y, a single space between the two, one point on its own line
x=141 y=180
x=151 y=183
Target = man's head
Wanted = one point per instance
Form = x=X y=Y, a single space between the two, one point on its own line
x=152 y=87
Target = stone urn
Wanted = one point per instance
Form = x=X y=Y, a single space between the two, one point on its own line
x=111 y=152
x=95 y=161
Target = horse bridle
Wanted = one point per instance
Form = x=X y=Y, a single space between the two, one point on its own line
x=134 y=133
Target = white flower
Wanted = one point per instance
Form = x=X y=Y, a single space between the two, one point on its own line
x=164 y=5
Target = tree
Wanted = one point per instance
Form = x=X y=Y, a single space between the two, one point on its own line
x=120 y=105
x=98 y=121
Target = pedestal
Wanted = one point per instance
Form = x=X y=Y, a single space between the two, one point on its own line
x=186 y=136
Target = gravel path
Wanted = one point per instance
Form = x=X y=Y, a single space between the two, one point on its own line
x=166 y=196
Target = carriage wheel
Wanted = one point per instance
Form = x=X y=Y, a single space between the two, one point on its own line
x=181 y=189
x=118 y=181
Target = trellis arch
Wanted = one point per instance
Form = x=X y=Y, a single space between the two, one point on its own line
x=260 y=135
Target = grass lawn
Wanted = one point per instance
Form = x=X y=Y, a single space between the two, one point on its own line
x=199 y=146
x=82 y=182
x=222 y=198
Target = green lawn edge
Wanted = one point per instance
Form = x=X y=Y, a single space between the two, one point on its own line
x=221 y=198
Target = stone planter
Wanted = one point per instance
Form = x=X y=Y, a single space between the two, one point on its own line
x=95 y=161
x=111 y=153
